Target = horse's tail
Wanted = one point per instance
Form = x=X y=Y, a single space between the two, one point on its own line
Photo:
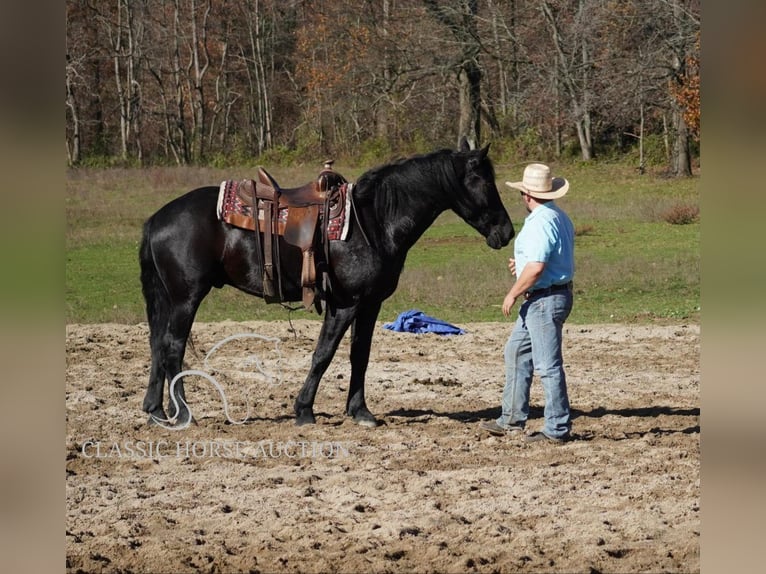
x=155 y=295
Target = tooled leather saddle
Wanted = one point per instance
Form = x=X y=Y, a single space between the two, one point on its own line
x=307 y=217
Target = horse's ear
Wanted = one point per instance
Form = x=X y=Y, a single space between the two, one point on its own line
x=464 y=145
x=484 y=151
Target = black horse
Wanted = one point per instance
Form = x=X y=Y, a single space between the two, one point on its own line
x=186 y=250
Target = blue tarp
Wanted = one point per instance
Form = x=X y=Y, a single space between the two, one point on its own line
x=414 y=321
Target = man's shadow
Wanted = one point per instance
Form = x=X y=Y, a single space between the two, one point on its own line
x=422 y=416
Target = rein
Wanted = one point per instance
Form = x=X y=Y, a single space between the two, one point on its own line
x=350 y=198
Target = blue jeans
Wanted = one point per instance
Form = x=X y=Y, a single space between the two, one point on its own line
x=535 y=345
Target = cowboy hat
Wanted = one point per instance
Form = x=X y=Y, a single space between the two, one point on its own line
x=539 y=183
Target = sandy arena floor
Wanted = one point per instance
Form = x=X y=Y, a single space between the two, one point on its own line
x=425 y=492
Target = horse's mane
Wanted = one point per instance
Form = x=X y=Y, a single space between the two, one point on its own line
x=383 y=185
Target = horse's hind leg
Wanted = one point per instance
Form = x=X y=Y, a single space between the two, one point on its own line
x=157 y=310
x=361 y=343
x=179 y=327
x=154 y=391
x=153 y=398
x=333 y=329
x=168 y=350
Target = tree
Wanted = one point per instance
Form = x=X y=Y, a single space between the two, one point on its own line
x=460 y=18
x=256 y=55
x=191 y=80
x=198 y=18
x=687 y=93
x=123 y=26
x=76 y=58
x=164 y=64
x=574 y=65
x=681 y=43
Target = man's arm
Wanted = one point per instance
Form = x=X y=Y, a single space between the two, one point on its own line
x=528 y=277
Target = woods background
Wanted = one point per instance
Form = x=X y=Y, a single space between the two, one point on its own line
x=222 y=82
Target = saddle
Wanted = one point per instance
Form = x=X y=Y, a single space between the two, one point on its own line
x=293 y=213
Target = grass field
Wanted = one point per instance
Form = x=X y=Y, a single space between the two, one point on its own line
x=632 y=265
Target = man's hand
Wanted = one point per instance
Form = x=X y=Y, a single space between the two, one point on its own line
x=529 y=275
x=510 y=298
x=508 y=303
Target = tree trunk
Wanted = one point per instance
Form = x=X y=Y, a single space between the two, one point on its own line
x=469 y=78
x=584 y=137
x=576 y=86
x=680 y=165
x=122 y=96
x=382 y=116
x=557 y=113
x=125 y=33
x=264 y=100
x=460 y=17
x=681 y=161
x=73 y=141
x=586 y=141
x=502 y=81
x=180 y=128
x=200 y=65
x=641 y=162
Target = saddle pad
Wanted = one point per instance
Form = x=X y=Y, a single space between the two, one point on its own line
x=231 y=209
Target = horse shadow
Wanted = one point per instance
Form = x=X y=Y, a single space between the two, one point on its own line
x=321 y=417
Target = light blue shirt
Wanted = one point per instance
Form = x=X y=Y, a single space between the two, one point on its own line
x=547 y=237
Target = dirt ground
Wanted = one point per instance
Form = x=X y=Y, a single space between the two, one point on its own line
x=426 y=491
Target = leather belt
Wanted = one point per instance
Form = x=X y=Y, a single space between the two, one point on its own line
x=548 y=290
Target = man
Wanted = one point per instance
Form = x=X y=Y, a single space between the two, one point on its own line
x=543 y=263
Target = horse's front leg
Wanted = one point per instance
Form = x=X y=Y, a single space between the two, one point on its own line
x=334 y=327
x=361 y=344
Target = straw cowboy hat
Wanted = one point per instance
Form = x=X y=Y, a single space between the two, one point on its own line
x=539 y=183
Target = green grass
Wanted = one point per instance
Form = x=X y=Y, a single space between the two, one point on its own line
x=102 y=283
x=632 y=266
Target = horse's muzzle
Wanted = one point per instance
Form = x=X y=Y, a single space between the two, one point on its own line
x=500 y=236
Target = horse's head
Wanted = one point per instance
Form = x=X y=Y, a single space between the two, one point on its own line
x=478 y=202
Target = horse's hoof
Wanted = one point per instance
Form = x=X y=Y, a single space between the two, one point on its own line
x=367 y=423
x=161 y=419
x=366 y=420
x=158 y=418
x=182 y=416
x=305 y=419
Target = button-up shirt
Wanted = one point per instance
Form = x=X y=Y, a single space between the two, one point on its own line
x=547 y=237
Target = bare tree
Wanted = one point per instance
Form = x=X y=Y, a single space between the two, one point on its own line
x=661 y=36
x=73 y=135
x=574 y=68
x=122 y=25
x=163 y=108
x=76 y=56
x=681 y=44
x=197 y=19
x=164 y=63
x=184 y=80
x=256 y=54
x=460 y=18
